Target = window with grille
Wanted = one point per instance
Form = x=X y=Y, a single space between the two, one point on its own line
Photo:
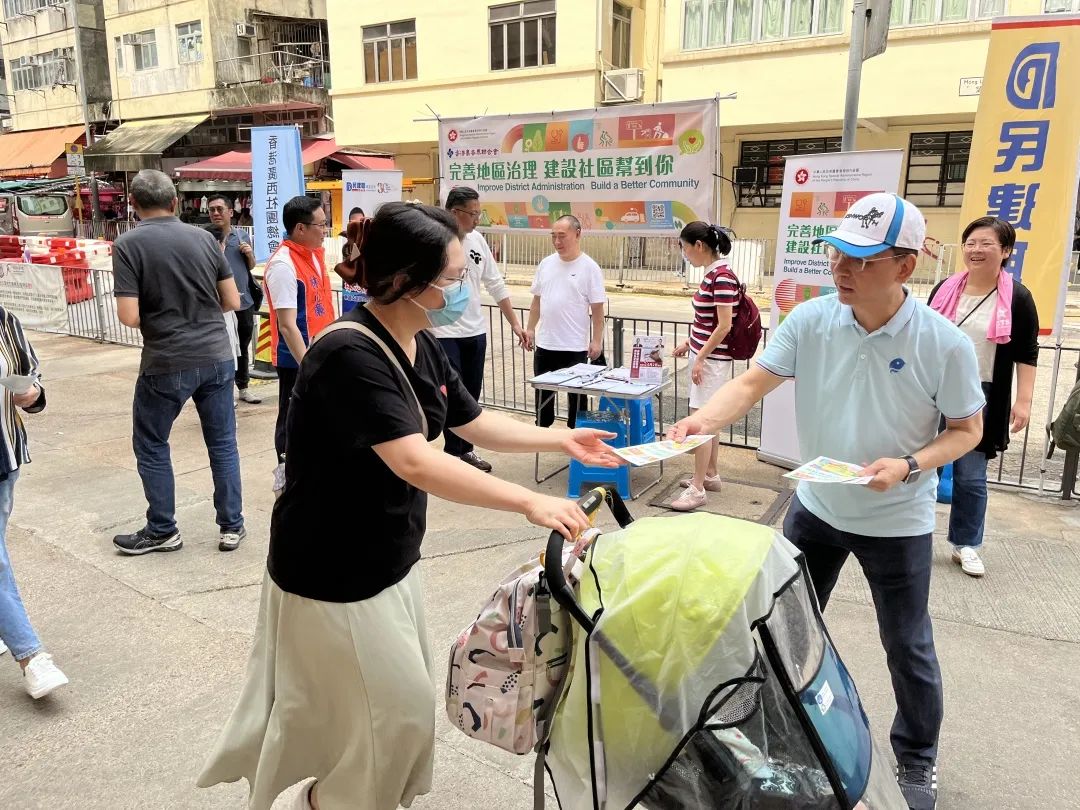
x=390 y=52
x=768 y=158
x=937 y=168
x=118 y=53
x=46 y=70
x=13 y=8
x=621 y=43
x=522 y=35
x=715 y=23
x=189 y=43
x=928 y=12
x=1060 y=6
x=145 y=51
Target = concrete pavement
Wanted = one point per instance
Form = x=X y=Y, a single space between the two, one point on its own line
x=156 y=646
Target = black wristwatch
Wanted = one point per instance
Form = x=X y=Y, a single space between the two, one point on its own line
x=914 y=473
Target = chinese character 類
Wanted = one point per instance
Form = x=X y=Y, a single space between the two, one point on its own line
x=1013 y=203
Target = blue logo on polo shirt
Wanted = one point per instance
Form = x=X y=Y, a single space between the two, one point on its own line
x=897 y=365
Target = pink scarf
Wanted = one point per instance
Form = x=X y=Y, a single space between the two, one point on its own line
x=948 y=299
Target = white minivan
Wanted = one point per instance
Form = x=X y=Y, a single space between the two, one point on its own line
x=35 y=215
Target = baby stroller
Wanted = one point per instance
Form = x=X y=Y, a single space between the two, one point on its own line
x=703 y=677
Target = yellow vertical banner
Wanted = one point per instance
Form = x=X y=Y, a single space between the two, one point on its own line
x=1025 y=152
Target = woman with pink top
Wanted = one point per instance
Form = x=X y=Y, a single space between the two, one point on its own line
x=998 y=313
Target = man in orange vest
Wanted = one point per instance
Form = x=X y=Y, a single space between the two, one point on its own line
x=301 y=302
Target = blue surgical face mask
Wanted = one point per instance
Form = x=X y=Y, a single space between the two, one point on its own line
x=455 y=302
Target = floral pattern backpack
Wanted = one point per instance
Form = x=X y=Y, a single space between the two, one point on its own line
x=508 y=668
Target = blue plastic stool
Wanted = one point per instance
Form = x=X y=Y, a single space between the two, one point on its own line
x=642 y=424
x=582 y=476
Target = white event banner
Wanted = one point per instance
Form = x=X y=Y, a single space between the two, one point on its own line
x=818 y=191
x=369 y=189
x=35 y=294
x=645 y=168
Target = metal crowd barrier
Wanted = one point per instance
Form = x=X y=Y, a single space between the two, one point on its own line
x=509 y=367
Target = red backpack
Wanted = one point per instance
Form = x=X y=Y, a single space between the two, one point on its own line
x=745 y=335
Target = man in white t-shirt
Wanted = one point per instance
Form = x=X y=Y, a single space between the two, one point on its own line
x=465 y=341
x=568 y=302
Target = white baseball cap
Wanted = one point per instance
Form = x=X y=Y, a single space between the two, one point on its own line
x=877 y=222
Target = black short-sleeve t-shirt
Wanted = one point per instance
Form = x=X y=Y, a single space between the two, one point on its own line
x=346 y=527
x=174 y=269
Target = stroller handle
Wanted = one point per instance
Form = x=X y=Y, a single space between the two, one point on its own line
x=590 y=503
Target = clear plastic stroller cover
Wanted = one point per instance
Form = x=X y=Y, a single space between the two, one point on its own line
x=709 y=681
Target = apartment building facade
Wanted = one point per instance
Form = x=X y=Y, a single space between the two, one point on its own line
x=37 y=39
x=170 y=83
x=779 y=65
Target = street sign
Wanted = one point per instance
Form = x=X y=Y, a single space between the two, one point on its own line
x=971 y=86
x=877 y=28
x=74 y=154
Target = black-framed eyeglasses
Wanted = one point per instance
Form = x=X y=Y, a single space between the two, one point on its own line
x=314 y=224
x=473 y=214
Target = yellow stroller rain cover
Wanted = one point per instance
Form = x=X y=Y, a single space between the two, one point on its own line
x=703 y=677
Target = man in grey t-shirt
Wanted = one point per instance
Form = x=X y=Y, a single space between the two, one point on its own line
x=172 y=282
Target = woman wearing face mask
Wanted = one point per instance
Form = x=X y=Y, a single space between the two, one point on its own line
x=340 y=683
x=999 y=315
x=706 y=245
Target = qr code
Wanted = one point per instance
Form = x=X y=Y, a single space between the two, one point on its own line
x=658 y=211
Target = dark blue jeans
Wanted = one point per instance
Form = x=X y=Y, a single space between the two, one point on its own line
x=467 y=356
x=967 y=517
x=159 y=399
x=898 y=572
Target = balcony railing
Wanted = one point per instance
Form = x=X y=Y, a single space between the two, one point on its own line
x=274 y=67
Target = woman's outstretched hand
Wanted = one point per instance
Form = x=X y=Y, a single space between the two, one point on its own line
x=558 y=514
x=587 y=446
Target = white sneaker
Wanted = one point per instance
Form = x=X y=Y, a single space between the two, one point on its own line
x=302 y=801
x=42 y=676
x=970 y=562
x=3 y=648
x=690 y=500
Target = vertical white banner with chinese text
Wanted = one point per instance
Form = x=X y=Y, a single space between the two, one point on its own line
x=277 y=175
x=818 y=191
x=636 y=169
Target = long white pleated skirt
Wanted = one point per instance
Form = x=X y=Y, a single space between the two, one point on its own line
x=343 y=692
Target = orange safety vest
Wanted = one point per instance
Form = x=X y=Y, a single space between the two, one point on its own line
x=314 y=298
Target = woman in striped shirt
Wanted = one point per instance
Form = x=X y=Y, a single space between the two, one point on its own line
x=17 y=360
x=706 y=245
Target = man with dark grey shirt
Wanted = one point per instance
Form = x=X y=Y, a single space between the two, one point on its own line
x=172 y=282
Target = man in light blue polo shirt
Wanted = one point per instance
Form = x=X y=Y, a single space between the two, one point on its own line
x=875 y=371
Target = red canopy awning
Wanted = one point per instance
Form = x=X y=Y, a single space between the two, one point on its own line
x=237 y=165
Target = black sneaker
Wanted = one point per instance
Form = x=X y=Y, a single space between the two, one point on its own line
x=476 y=461
x=142 y=542
x=918 y=784
x=230 y=541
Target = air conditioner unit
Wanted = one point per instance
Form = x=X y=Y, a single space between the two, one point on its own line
x=131 y=39
x=25 y=61
x=245 y=30
x=621 y=86
x=746 y=175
